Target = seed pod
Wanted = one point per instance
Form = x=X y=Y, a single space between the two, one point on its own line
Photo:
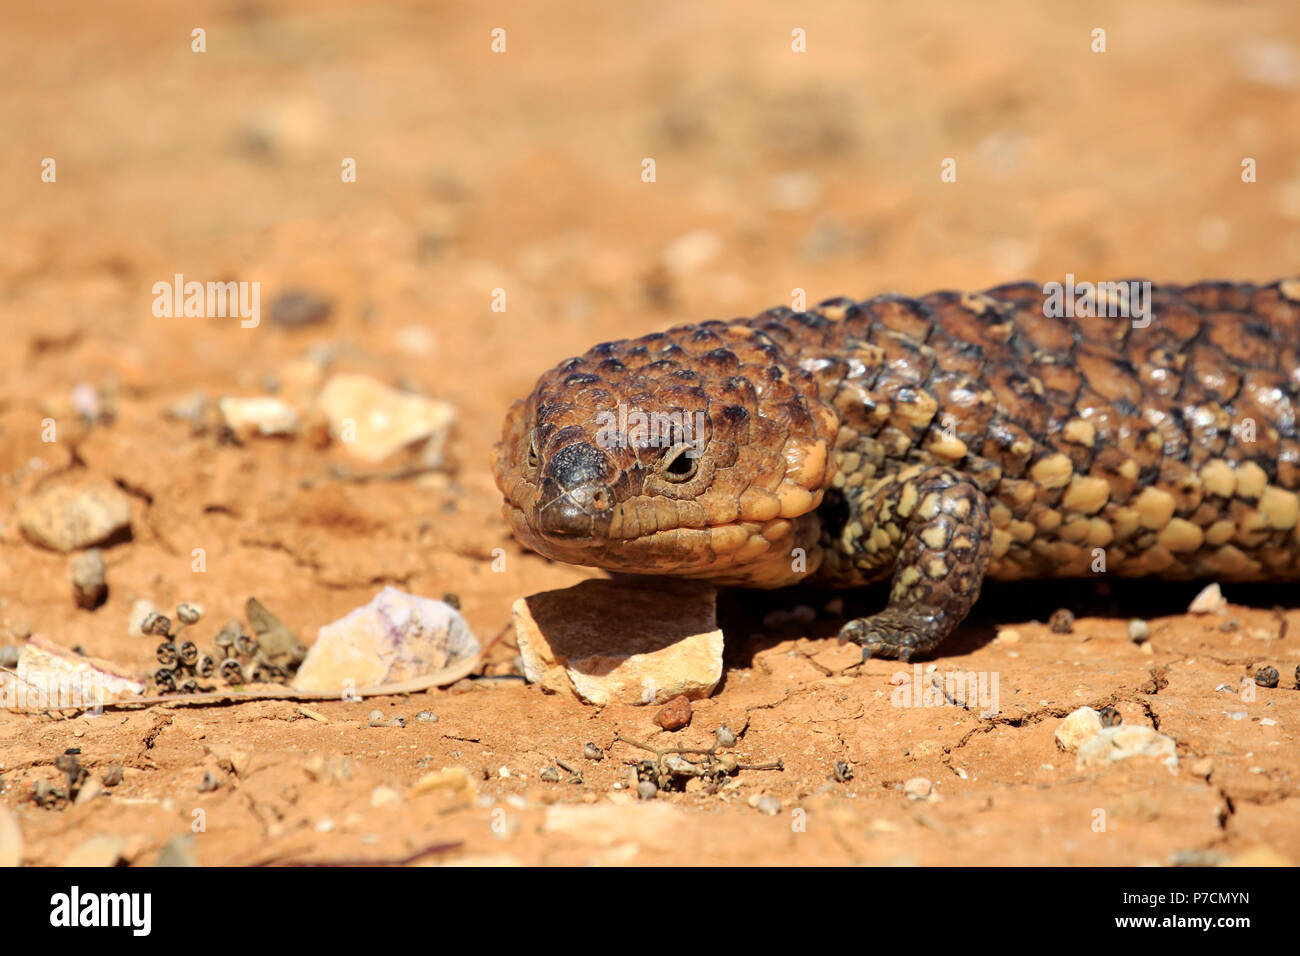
x=166 y=653
x=263 y=674
x=159 y=624
x=245 y=646
x=71 y=768
x=165 y=679
x=224 y=641
x=188 y=613
x=189 y=686
x=231 y=671
x=188 y=653
x=206 y=666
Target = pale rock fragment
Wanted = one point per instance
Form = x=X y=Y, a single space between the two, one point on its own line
x=612 y=642
x=396 y=637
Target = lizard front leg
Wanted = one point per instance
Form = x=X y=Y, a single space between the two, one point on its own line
x=935 y=526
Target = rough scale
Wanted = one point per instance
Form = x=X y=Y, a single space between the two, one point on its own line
x=934 y=442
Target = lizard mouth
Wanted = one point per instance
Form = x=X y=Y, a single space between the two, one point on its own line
x=524 y=522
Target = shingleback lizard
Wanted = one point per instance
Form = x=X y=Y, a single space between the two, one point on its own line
x=935 y=441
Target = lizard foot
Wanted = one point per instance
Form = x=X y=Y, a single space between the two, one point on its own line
x=938 y=566
x=897 y=633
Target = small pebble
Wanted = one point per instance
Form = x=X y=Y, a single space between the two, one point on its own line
x=769 y=804
x=1266 y=676
x=114 y=775
x=918 y=788
x=296 y=307
x=87 y=572
x=726 y=738
x=66 y=517
x=265 y=415
x=592 y=752
x=1209 y=601
x=1061 y=621
x=675 y=714
x=550 y=775
x=427 y=717
x=1078 y=727
x=1138 y=631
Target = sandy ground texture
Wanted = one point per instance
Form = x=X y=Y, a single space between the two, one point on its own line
x=521 y=171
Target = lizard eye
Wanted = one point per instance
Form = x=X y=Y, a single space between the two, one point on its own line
x=678 y=463
x=533 y=457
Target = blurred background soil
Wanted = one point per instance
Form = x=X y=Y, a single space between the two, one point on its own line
x=522 y=171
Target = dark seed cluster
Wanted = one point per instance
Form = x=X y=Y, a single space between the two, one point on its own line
x=236 y=657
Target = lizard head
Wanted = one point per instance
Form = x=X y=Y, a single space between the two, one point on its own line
x=694 y=451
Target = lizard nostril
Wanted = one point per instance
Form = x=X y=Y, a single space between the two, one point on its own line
x=579 y=511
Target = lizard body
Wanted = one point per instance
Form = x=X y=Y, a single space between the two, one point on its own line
x=933 y=441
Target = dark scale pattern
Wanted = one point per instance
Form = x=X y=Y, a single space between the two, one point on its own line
x=951 y=438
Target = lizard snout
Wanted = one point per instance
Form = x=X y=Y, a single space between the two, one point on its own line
x=573 y=499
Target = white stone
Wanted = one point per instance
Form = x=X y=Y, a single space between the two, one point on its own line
x=1078 y=728
x=396 y=637
x=373 y=421
x=1209 y=601
x=49 y=675
x=1113 y=744
x=263 y=415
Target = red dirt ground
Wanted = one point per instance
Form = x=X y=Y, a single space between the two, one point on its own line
x=522 y=171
